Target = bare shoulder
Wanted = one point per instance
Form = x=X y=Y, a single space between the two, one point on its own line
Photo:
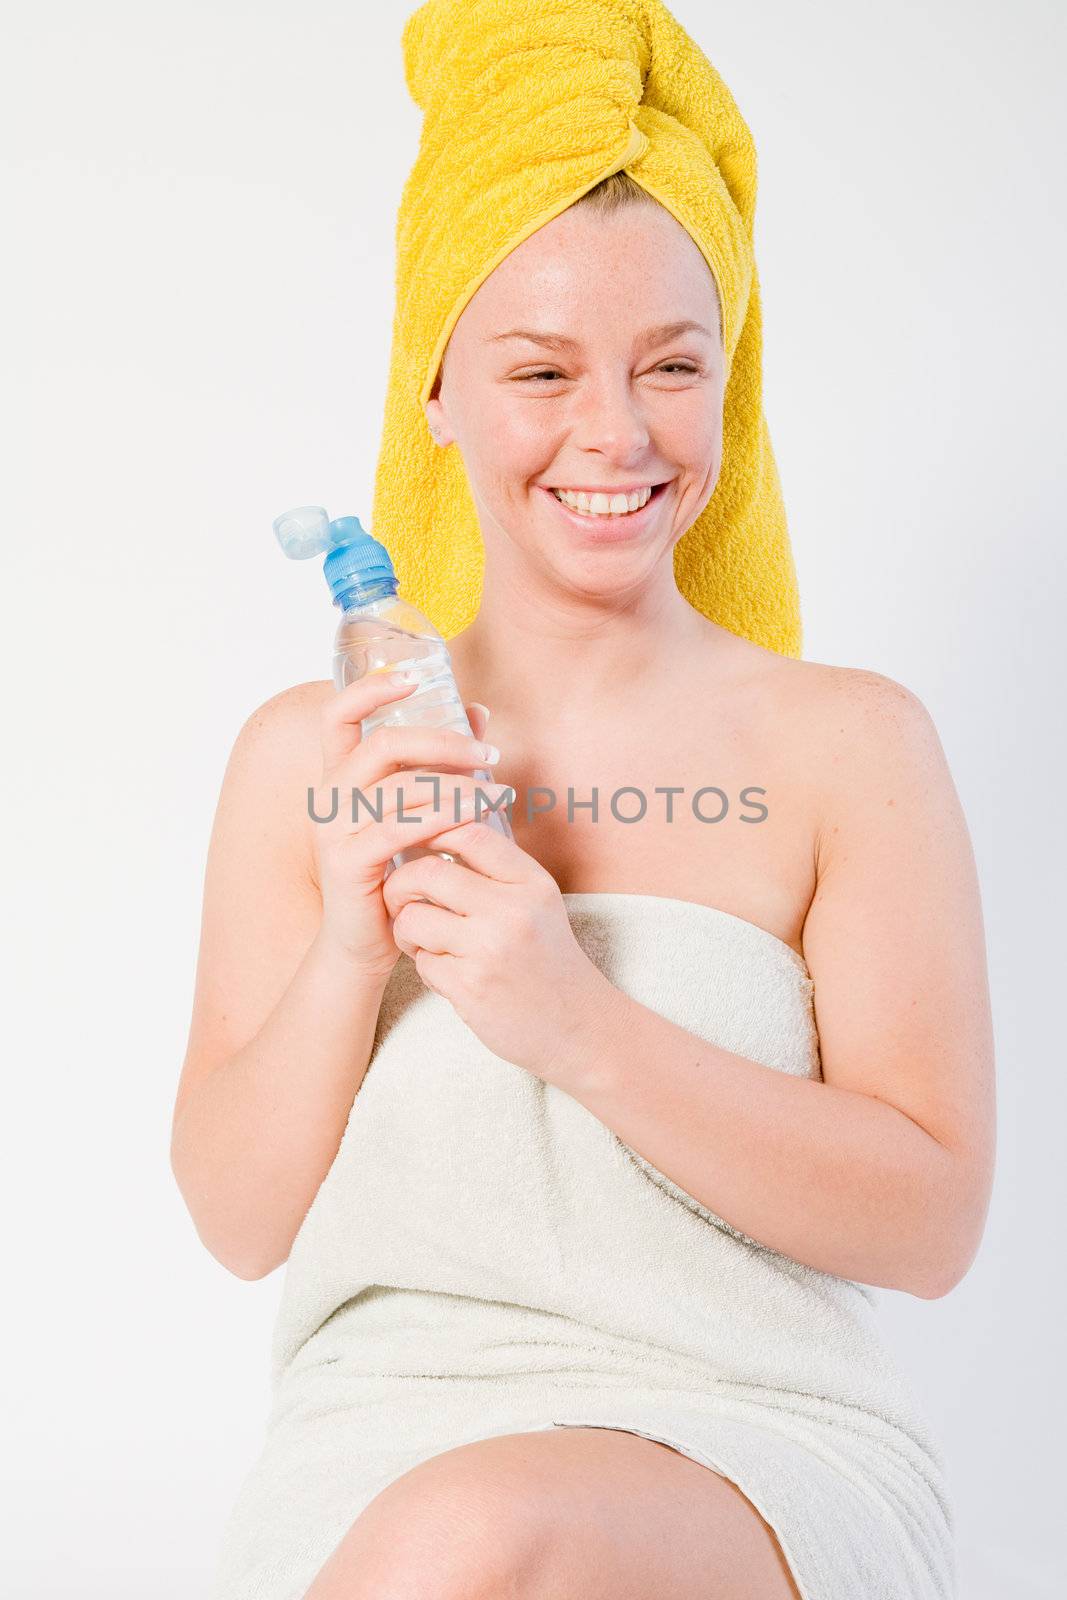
x=827 y=691
x=289 y=721
x=861 y=731
x=281 y=738
x=276 y=755
x=833 y=714
x=857 y=691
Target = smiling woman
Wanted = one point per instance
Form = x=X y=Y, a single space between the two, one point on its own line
x=656 y=383
x=584 y=1158
x=673 y=356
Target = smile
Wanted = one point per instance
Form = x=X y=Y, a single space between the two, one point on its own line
x=606 y=525
x=604 y=502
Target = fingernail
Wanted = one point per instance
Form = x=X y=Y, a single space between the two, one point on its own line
x=480 y=707
x=403 y=677
x=489 y=752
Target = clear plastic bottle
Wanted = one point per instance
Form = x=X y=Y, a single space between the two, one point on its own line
x=378 y=633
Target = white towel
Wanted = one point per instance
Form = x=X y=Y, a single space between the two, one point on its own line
x=485 y=1256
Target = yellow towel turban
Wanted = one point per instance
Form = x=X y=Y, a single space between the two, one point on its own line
x=527 y=104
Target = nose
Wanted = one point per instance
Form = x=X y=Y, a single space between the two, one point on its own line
x=611 y=422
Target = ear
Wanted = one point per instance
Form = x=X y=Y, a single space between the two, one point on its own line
x=438 y=421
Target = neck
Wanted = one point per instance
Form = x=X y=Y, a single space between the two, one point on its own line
x=560 y=654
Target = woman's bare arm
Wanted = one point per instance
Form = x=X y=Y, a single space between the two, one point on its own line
x=282 y=1027
x=883 y=1171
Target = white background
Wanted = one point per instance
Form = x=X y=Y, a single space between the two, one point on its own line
x=198 y=204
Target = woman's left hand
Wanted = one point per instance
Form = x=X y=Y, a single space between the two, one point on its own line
x=499 y=946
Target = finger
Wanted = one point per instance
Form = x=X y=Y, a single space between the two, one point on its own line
x=344 y=713
x=451 y=797
x=381 y=840
x=430 y=928
x=449 y=884
x=485 y=848
x=418 y=824
x=379 y=832
x=400 y=747
x=477 y=716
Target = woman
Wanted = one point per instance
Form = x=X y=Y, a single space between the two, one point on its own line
x=583 y=1148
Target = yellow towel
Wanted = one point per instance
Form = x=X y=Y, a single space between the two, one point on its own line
x=527 y=104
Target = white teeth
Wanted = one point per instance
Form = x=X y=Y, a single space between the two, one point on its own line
x=603 y=505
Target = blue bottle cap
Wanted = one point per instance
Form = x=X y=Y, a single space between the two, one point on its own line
x=354 y=560
x=357 y=561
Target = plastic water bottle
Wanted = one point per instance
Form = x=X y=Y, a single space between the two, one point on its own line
x=381 y=633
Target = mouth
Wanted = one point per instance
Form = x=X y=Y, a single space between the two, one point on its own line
x=605 y=527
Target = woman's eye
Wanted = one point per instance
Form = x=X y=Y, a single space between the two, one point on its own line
x=551 y=374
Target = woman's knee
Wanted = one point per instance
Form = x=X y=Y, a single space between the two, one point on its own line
x=437 y=1536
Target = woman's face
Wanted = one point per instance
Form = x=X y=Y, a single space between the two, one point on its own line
x=618 y=406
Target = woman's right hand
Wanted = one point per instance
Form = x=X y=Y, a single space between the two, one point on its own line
x=353 y=856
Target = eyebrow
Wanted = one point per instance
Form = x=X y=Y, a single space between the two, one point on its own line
x=561 y=341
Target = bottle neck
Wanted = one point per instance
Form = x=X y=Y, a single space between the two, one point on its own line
x=356 y=595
